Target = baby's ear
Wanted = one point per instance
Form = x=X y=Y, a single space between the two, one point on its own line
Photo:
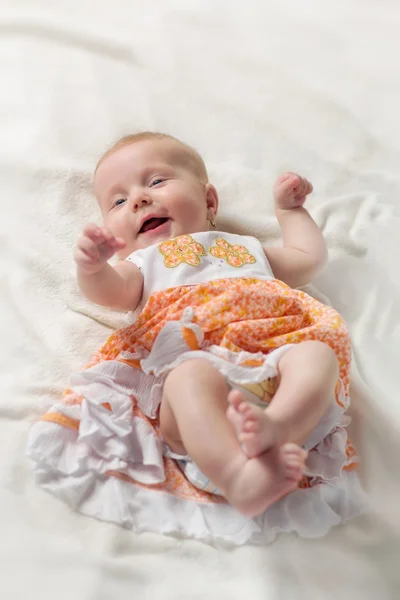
x=211 y=198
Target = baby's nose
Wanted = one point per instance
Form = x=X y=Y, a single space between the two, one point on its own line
x=139 y=202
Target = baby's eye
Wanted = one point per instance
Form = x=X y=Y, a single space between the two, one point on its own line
x=156 y=181
x=119 y=201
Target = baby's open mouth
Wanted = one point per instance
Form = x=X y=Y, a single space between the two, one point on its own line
x=153 y=223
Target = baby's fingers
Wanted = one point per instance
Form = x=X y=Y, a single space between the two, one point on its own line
x=310 y=188
x=107 y=239
x=117 y=243
x=303 y=188
x=88 y=248
x=288 y=183
x=285 y=177
x=91 y=231
x=107 y=235
x=95 y=233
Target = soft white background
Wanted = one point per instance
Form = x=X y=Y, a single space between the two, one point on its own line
x=258 y=87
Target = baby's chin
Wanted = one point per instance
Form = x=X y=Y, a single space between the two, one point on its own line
x=145 y=242
x=149 y=238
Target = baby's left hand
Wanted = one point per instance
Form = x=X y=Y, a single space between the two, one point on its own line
x=291 y=190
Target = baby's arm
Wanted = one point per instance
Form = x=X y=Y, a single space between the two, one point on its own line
x=304 y=251
x=117 y=287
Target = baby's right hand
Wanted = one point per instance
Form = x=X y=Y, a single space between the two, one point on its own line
x=95 y=247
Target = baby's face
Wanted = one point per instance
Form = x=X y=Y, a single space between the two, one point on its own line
x=148 y=193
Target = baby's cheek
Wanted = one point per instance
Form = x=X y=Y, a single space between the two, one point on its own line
x=116 y=223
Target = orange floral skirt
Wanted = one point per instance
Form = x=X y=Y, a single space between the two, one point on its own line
x=101 y=442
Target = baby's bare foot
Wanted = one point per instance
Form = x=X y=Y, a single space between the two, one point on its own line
x=256 y=483
x=254 y=429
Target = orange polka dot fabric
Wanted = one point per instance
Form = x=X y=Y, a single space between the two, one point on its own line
x=236 y=314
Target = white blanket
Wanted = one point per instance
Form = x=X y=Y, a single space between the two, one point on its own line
x=258 y=87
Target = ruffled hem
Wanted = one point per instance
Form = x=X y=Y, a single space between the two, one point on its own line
x=88 y=454
x=310 y=513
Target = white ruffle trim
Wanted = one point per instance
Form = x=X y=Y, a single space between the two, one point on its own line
x=73 y=464
x=170 y=350
x=66 y=471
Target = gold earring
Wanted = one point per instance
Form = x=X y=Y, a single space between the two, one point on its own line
x=213 y=223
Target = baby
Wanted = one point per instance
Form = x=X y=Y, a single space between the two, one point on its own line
x=159 y=211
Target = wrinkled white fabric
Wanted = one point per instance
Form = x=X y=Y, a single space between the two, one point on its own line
x=258 y=87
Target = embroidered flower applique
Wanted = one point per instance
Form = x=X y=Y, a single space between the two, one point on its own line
x=235 y=255
x=182 y=249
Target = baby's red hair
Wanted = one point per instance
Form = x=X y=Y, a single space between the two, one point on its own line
x=188 y=154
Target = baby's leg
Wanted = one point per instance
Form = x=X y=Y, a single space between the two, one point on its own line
x=308 y=374
x=193 y=420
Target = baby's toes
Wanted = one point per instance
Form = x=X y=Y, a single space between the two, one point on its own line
x=250 y=426
x=293 y=458
x=248 y=412
x=291 y=450
x=294 y=466
x=245 y=409
x=293 y=473
x=235 y=399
